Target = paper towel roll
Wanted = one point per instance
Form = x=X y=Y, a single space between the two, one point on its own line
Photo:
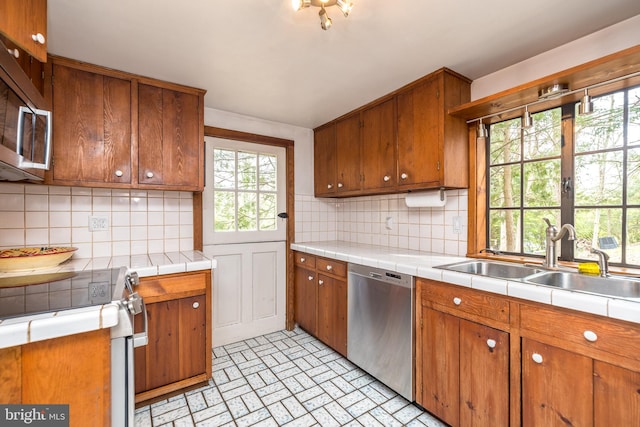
x=429 y=199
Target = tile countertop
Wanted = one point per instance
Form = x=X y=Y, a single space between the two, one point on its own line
x=420 y=264
x=30 y=328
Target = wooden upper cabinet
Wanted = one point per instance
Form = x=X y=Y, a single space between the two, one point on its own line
x=170 y=138
x=31 y=66
x=379 y=146
x=433 y=146
x=25 y=23
x=91 y=128
x=324 y=161
x=348 y=155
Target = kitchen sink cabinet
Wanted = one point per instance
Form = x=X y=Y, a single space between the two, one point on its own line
x=321 y=299
x=74 y=368
x=324 y=161
x=178 y=354
x=379 y=147
x=25 y=23
x=462 y=365
x=433 y=146
x=119 y=130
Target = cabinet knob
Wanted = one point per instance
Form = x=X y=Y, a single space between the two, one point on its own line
x=329 y=186
x=491 y=343
x=386 y=178
x=196 y=304
x=404 y=176
x=457 y=301
x=38 y=38
x=119 y=173
x=310 y=278
x=339 y=185
x=537 y=357
x=329 y=267
x=303 y=259
x=14 y=52
x=320 y=282
x=590 y=336
x=149 y=174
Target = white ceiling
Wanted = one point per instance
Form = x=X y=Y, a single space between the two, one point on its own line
x=260 y=58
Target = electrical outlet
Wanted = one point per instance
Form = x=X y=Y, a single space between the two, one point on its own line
x=457 y=224
x=98 y=223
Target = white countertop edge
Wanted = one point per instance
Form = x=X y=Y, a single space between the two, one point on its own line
x=58 y=324
x=420 y=264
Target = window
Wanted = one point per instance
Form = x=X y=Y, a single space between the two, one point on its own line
x=583 y=170
x=244 y=191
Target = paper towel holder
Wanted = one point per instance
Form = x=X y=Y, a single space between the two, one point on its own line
x=442 y=194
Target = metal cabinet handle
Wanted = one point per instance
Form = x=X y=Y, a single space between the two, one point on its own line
x=321 y=282
x=537 y=357
x=310 y=278
x=329 y=267
x=196 y=304
x=119 y=173
x=590 y=336
x=386 y=178
x=404 y=176
x=38 y=38
x=457 y=301
x=491 y=343
x=329 y=186
x=149 y=174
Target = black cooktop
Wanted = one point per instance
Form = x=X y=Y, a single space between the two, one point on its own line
x=49 y=292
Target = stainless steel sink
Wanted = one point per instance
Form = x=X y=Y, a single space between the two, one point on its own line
x=614 y=286
x=500 y=270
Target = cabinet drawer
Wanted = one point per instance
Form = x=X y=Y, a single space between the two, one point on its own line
x=331 y=266
x=466 y=300
x=169 y=287
x=305 y=260
x=599 y=333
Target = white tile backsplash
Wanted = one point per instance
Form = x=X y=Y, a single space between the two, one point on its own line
x=139 y=221
x=364 y=220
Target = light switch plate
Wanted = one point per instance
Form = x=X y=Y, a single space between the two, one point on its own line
x=98 y=223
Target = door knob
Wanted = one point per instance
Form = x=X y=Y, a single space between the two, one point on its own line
x=119 y=173
x=386 y=178
x=38 y=38
x=196 y=304
x=537 y=357
x=149 y=174
x=404 y=176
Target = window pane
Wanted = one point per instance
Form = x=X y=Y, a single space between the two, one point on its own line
x=594 y=224
x=535 y=227
x=224 y=211
x=247 y=171
x=633 y=129
x=267 y=214
x=504 y=226
x=543 y=139
x=542 y=183
x=599 y=179
x=267 y=171
x=505 y=142
x=604 y=127
x=633 y=236
x=247 y=212
x=224 y=169
x=504 y=186
x=633 y=177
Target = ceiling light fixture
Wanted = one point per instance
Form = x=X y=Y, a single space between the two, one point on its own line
x=345 y=7
x=527 y=120
x=586 y=104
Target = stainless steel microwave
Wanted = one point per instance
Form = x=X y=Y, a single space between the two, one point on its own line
x=25 y=124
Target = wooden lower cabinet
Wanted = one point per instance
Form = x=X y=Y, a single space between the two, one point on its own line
x=462 y=368
x=73 y=370
x=306 y=300
x=178 y=353
x=332 y=312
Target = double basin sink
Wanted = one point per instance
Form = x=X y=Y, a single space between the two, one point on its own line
x=612 y=286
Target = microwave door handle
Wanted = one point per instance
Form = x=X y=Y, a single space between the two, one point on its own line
x=47 y=140
x=20 y=132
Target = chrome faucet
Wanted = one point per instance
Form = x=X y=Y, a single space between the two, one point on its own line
x=603 y=261
x=552 y=236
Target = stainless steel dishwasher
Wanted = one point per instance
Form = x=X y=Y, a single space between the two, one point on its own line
x=380 y=326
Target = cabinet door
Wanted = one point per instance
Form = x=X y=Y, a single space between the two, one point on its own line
x=31 y=66
x=348 y=154
x=91 y=128
x=306 y=300
x=332 y=313
x=21 y=20
x=379 y=146
x=162 y=351
x=324 y=161
x=484 y=375
x=192 y=337
x=557 y=386
x=616 y=395
x=440 y=373
x=419 y=135
x=169 y=145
